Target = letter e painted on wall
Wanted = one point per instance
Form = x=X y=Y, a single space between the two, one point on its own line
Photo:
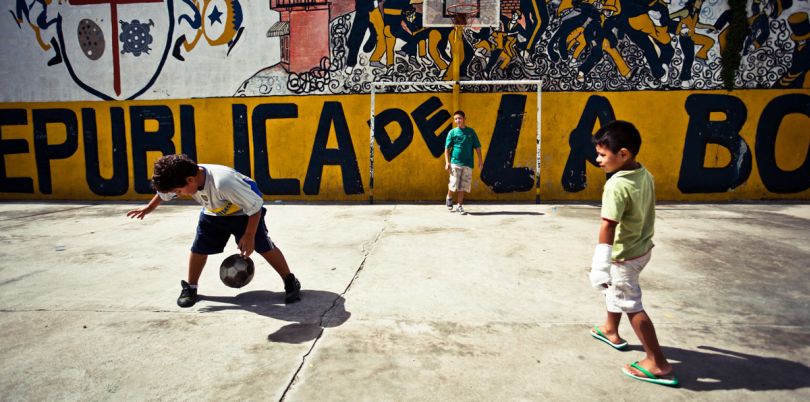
x=428 y=124
x=13 y=117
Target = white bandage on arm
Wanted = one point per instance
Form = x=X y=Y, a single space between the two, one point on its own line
x=600 y=265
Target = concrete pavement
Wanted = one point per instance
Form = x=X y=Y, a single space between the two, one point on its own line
x=400 y=302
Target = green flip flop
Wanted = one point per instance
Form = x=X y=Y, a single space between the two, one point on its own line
x=597 y=334
x=650 y=377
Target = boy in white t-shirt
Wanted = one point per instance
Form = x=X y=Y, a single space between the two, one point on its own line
x=232 y=205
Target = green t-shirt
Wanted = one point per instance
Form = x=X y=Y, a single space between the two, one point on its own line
x=462 y=141
x=629 y=199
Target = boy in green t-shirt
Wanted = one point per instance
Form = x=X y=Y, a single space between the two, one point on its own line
x=461 y=141
x=625 y=246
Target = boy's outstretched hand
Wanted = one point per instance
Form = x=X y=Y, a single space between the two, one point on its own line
x=140 y=212
x=143 y=211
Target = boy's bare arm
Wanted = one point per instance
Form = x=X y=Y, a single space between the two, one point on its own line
x=247 y=243
x=447 y=159
x=139 y=213
x=480 y=158
x=607 y=231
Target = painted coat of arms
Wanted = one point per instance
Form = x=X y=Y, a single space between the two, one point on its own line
x=115 y=49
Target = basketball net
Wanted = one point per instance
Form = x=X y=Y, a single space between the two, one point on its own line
x=462 y=13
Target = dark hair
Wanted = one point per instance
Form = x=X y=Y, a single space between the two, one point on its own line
x=171 y=172
x=618 y=134
x=461 y=112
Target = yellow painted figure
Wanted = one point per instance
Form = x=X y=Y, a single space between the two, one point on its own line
x=376 y=18
x=612 y=9
x=645 y=24
x=22 y=13
x=500 y=40
x=798 y=74
x=689 y=23
x=393 y=15
x=428 y=40
x=576 y=40
x=203 y=17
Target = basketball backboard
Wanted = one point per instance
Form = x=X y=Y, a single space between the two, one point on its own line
x=435 y=13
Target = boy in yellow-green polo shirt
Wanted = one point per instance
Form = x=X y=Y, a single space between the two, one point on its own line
x=625 y=246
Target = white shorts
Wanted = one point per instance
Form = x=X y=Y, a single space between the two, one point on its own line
x=460 y=178
x=624 y=293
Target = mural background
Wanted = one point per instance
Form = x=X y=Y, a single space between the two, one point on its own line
x=202 y=75
x=177 y=49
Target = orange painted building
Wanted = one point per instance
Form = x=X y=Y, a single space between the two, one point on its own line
x=304 y=33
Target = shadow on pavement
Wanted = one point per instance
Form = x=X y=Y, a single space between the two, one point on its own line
x=316 y=310
x=505 y=213
x=721 y=369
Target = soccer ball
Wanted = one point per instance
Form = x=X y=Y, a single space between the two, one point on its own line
x=236 y=271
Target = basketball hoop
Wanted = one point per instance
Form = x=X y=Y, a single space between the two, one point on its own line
x=461 y=12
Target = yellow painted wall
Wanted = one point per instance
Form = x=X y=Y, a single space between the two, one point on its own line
x=662 y=121
x=415 y=174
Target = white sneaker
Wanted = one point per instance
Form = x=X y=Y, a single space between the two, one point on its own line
x=460 y=210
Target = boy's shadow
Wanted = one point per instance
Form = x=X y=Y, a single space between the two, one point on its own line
x=316 y=310
x=720 y=369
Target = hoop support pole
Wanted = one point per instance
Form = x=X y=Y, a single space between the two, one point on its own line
x=371 y=147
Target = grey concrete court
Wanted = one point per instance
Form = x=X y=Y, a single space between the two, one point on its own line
x=400 y=302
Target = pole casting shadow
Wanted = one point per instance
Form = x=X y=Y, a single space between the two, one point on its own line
x=720 y=369
x=316 y=310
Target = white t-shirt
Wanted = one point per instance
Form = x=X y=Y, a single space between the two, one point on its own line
x=226 y=192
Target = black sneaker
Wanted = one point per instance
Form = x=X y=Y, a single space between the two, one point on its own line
x=292 y=288
x=449 y=204
x=188 y=296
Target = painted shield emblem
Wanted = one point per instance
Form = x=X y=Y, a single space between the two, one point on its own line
x=136 y=37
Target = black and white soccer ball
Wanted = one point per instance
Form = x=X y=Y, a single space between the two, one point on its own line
x=236 y=271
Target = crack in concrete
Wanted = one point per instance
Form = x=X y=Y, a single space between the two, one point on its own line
x=360 y=267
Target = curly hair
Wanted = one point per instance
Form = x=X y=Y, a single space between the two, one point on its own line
x=171 y=172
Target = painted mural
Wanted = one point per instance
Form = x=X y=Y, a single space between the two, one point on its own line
x=95 y=90
x=159 y=49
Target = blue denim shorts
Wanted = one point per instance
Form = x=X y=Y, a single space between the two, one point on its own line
x=213 y=233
